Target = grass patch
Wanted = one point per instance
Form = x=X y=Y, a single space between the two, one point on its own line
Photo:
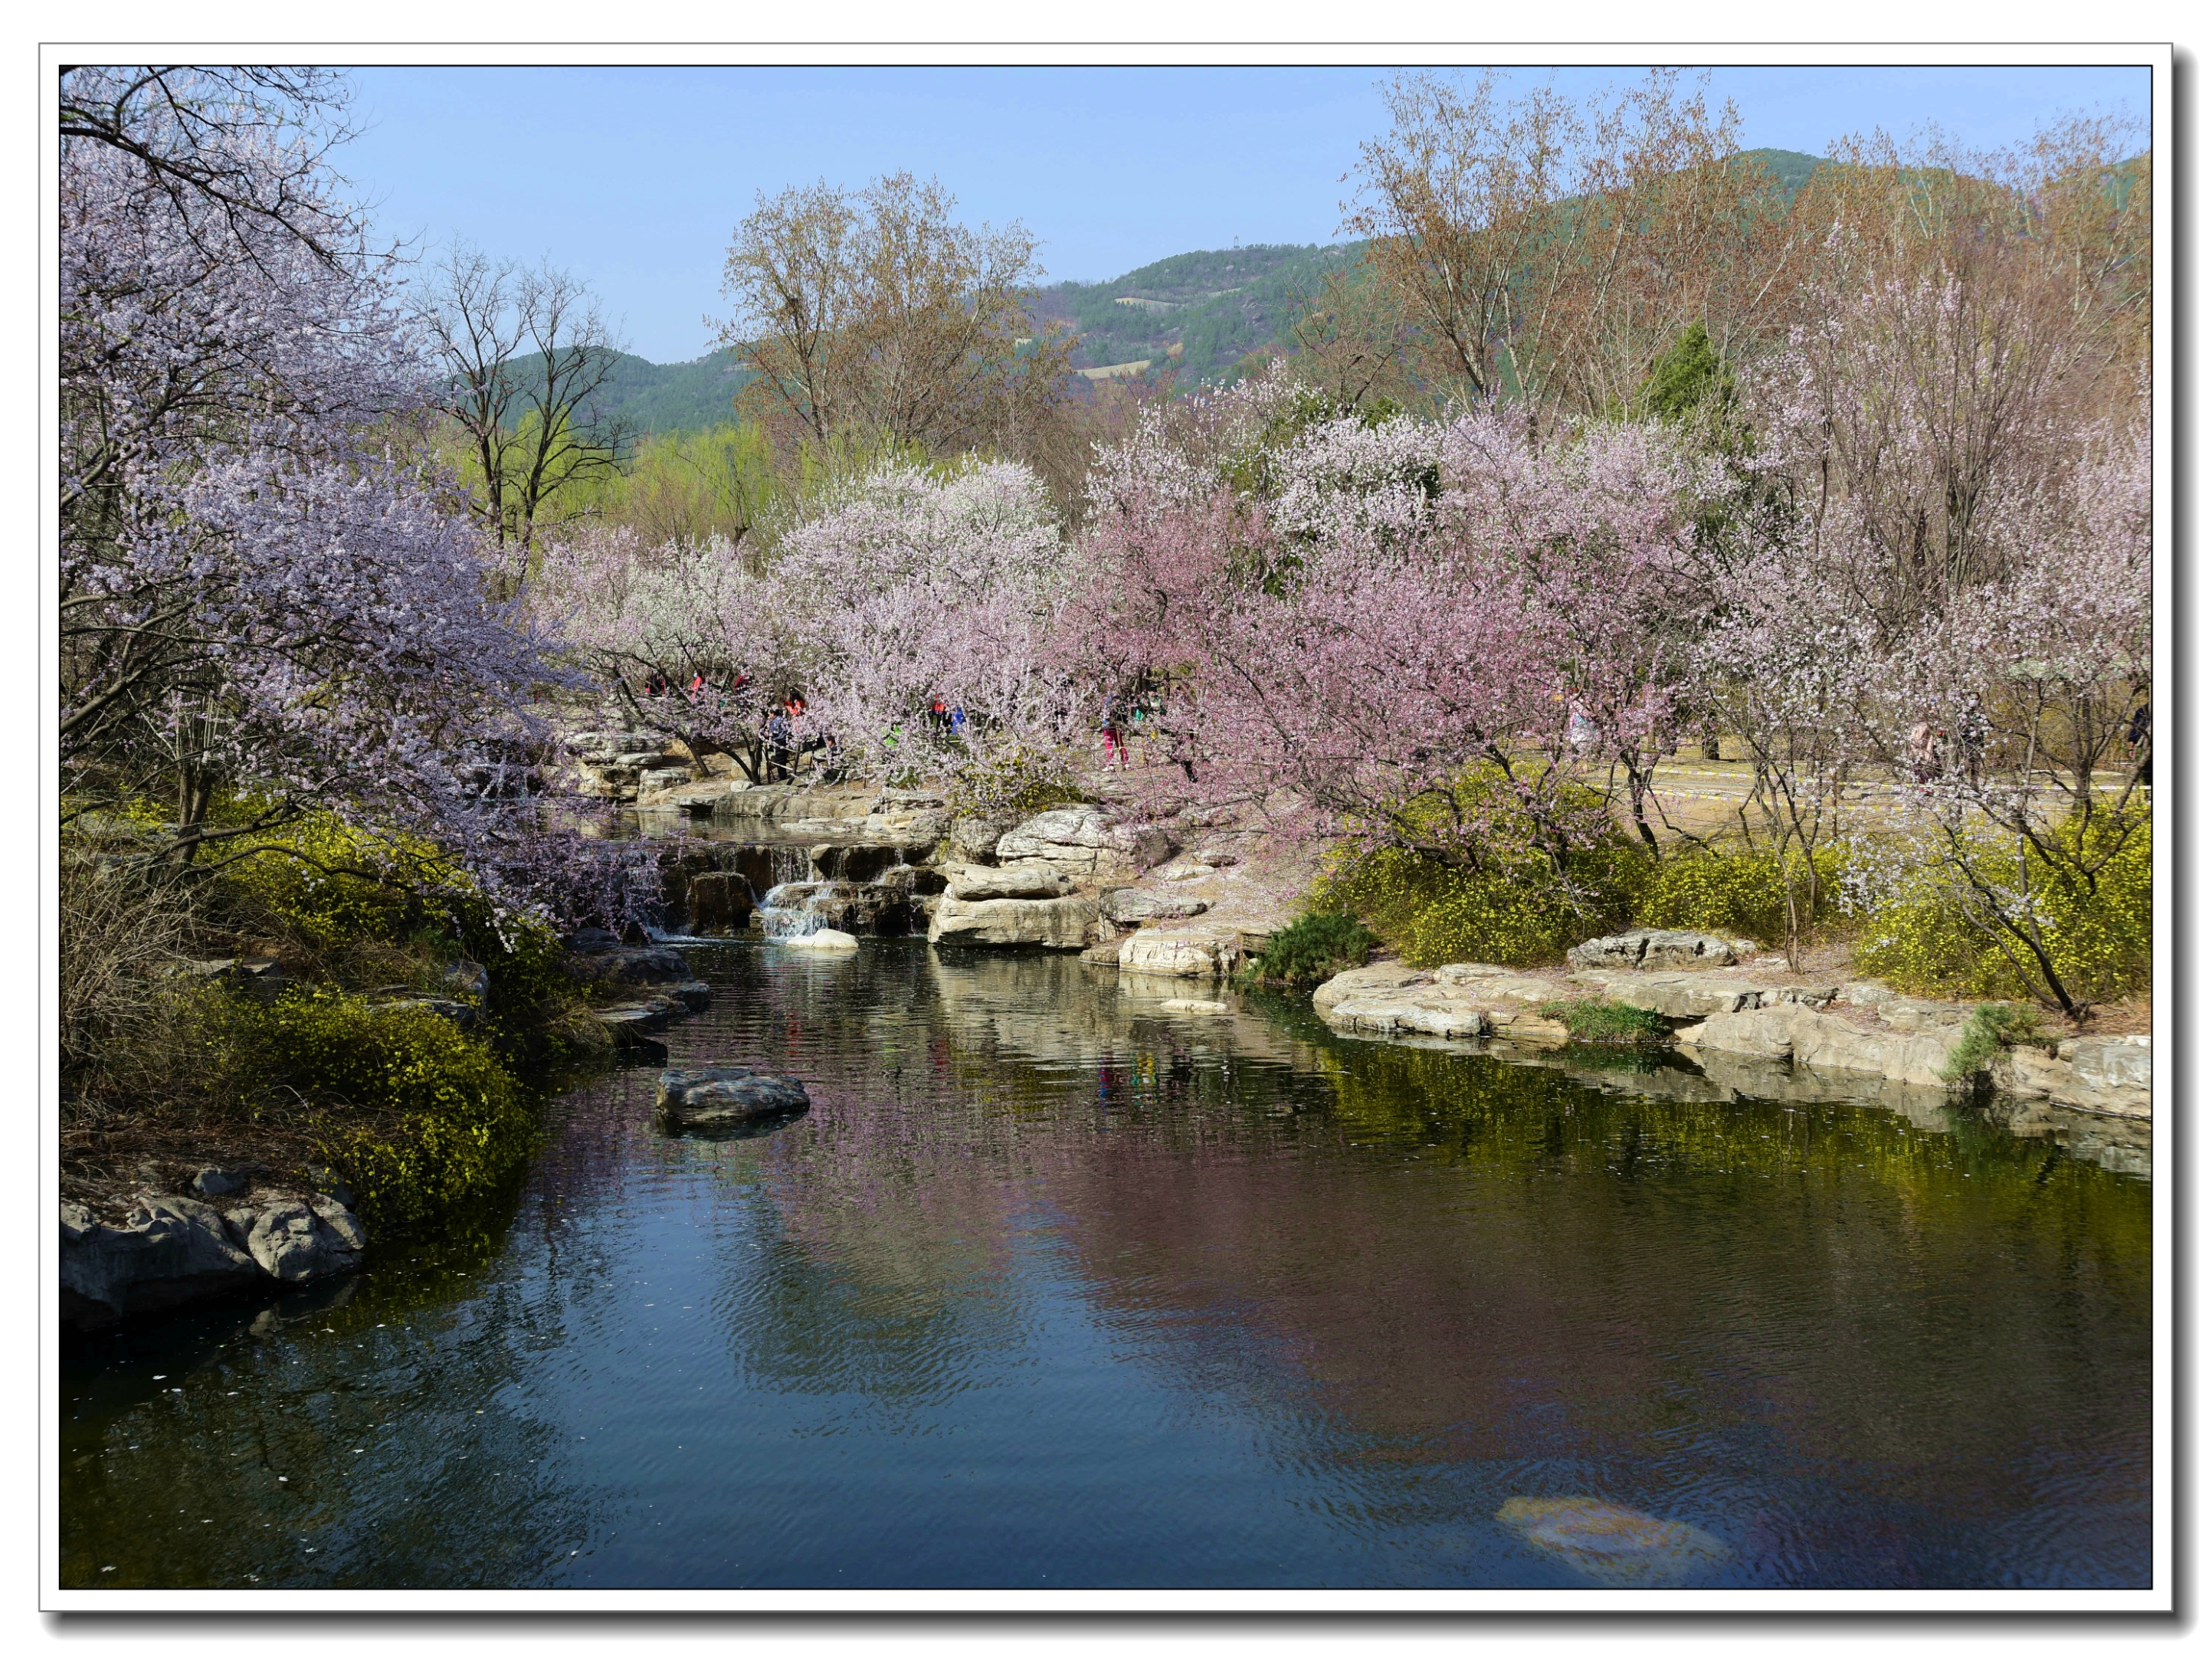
x=1608 y=1022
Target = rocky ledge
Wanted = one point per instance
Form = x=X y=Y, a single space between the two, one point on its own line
x=171 y=1249
x=600 y=958
x=1735 y=1005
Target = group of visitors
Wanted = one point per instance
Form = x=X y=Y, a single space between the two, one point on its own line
x=1123 y=716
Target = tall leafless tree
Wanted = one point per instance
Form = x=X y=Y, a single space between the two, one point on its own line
x=525 y=352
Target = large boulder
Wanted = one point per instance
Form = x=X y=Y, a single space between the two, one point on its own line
x=1658 y=951
x=725 y=1096
x=1029 y=882
x=1007 y=922
x=170 y=1250
x=1128 y=905
x=1362 y=979
x=1182 y=953
x=1080 y=841
x=299 y=1240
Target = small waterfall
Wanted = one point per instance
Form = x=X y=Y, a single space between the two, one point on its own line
x=794 y=908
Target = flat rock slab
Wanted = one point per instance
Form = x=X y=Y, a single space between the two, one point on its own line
x=1202 y=1008
x=1067 y=922
x=1130 y=906
x=1660 y=951
x=717 y=1096
x=1686 y=996
x=1024 y=883
x=1453 y=1002
x=620 y=964
x=1804 y=1034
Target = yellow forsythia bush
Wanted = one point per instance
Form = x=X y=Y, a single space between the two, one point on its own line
x=413 y=1112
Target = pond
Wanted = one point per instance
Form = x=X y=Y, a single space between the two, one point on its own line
x=1053 y=1287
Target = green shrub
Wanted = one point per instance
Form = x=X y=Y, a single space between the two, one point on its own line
x=372 y=914
x=1928 y=937
x=1312 y=947
x=331 y=887
x=1521 y=915
x=1737 y=894
x=415 y=1113
x=1988 y=1032
x=1608 y=1022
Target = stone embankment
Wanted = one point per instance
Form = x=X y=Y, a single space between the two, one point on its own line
x=1726 y=1003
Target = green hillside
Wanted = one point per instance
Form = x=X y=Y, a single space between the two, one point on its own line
x=1219 y=306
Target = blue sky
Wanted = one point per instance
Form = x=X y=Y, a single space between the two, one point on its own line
x=633 y=179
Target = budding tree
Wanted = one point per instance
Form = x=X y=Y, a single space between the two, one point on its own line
x=877 y=312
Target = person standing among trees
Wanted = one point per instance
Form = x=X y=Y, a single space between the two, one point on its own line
x=1973 y=735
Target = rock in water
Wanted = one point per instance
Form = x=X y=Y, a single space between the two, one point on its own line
x=703 y=1097
x=169 y=1250
x=1205 y=1008
x=1180 y=953
x=1012 y=923
x=829 y=941
x=1612 y=1544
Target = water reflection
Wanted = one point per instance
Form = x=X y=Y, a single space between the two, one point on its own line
x=1053 y=1287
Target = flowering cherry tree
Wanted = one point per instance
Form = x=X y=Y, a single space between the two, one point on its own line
x=256 y=598
x=1410 y=604
x=916 y=589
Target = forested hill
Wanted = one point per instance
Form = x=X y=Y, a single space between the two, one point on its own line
x=669 y=396
x=1205 y=312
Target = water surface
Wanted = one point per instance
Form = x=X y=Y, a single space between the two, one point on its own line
x=1052 y=1288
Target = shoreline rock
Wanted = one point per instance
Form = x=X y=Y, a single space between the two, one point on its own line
x=1726 y=1020
x=1058 y=922
x=172 y=1252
